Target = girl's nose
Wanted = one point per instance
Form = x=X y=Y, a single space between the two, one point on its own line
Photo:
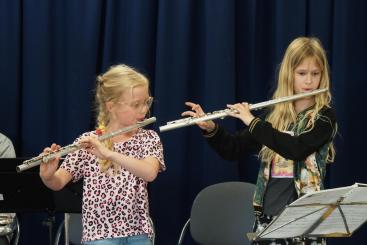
x=309 y=78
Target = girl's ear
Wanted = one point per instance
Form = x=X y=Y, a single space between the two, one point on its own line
x=109 y=105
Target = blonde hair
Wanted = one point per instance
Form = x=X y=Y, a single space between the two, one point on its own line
x=110 y=86
x=283 y=115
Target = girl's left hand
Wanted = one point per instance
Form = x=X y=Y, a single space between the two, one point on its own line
x=95 y=147
x=243 y=112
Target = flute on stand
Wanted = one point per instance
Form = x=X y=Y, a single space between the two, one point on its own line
x=33 y=162
x=223 y=113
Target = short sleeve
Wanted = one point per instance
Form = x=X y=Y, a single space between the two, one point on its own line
x=153 y=148
x=75 y=161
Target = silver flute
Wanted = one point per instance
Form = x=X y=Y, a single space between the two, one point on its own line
x=73 y=147
x=223 y=113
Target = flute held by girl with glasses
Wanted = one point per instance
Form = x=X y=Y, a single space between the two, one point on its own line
x=223 y=113
x=33 y=162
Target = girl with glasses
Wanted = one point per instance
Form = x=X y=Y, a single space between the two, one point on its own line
x=115 y=172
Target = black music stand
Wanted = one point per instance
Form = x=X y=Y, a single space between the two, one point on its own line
x=335 y=212
x=22 y=192
x=69 y=199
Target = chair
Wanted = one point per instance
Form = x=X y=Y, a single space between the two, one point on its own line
x=73 y=228
x=221 y=214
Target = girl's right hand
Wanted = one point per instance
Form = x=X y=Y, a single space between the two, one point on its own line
x=197 y=111
x=48 y=169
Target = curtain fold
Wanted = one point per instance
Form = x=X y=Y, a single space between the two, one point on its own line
x=211 y=52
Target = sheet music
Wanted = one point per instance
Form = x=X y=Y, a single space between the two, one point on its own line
x=293 y=222
x=330 y=225
x=323 y=197
x=304 y=214
x=358 y=194
x=355 y=216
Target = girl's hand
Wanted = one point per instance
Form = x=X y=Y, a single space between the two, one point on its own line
x=241 y=111
x=197 y=111
x=95 y=147
x=48 y=169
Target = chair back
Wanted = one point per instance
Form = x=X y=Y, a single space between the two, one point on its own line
x=72 y=227
x=75 y=228
x=223 y=214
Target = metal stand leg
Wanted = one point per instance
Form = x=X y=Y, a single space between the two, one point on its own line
x=15 y=237
x=50 y=221
x=66 y=224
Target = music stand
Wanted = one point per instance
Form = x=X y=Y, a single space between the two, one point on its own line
x=25 y=192
x=69 y=199
x=22 y=192
x=335 y=212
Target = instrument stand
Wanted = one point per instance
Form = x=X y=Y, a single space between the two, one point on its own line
x=335 y=212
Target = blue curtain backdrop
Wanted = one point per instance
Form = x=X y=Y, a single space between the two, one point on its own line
x=212 y=52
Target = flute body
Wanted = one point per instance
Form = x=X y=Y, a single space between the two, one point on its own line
x=33 y=162
x=223 y=113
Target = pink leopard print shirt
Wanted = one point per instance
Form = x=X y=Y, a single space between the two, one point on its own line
x=115 y=205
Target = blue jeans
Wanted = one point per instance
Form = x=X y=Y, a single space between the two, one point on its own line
x=131 y=240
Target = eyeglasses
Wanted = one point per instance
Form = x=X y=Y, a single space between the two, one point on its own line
x=138 y=106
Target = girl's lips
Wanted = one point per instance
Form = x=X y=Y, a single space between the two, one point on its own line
x=307 y=90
